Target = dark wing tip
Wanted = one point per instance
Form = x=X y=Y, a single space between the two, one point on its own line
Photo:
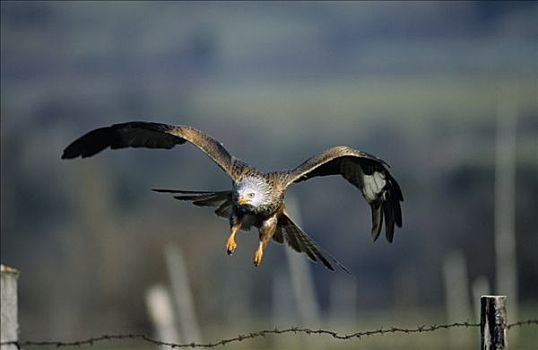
x=392 y=208
x=377 y=220
x=131 y=134
x=387 y=209
x=89 y=144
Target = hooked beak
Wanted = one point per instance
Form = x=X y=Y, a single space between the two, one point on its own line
x=243 y=200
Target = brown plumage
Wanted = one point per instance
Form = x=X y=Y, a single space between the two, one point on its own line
x=256 y=198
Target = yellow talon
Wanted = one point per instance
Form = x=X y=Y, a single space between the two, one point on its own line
x=258 y=256
x=231 y=245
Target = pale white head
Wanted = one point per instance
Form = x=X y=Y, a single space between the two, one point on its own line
x=252 y=192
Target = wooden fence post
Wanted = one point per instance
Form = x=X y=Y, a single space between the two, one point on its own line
x=181 y=290
x=161 y=312
x=9 y=317
x=493 y=322
x=302 y=283
x=457 y=296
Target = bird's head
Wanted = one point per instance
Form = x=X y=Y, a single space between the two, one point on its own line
x=251 y=193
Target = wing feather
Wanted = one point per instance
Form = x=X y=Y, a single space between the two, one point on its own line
x=220 y=199
x=153 y=135
x=377 y=219
x=364 y=171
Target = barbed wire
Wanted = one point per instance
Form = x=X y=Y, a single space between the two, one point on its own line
x=262 y=333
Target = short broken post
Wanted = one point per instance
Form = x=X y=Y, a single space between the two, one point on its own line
x=9 y=317
x=493 y=322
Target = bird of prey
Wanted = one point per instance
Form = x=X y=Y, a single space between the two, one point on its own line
x=257 y=198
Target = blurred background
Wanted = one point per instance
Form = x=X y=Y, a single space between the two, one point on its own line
x=445 y=92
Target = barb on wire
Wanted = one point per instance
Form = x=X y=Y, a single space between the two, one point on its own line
x=239 y=338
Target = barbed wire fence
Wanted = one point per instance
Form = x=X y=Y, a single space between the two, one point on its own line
x=263 y=333
x=493 y=326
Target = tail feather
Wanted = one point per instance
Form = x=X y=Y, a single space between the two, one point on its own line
x=299 y=241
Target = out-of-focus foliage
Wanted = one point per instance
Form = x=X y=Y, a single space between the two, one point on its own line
x=417 y=84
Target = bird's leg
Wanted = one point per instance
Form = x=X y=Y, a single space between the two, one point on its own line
x=259 y=252
x=230 y=243
x=267 y=230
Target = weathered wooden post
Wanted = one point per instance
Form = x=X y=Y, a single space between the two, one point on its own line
x=160 y=308
x=303 y=287
x=457 y=296
x=9 y=317
x=177 y=270
x=493 y=322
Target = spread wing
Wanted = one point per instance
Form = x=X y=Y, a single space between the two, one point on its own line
x=366 y=172
x=152 y=135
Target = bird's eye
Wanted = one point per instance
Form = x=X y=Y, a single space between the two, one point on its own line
x=250 y=195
